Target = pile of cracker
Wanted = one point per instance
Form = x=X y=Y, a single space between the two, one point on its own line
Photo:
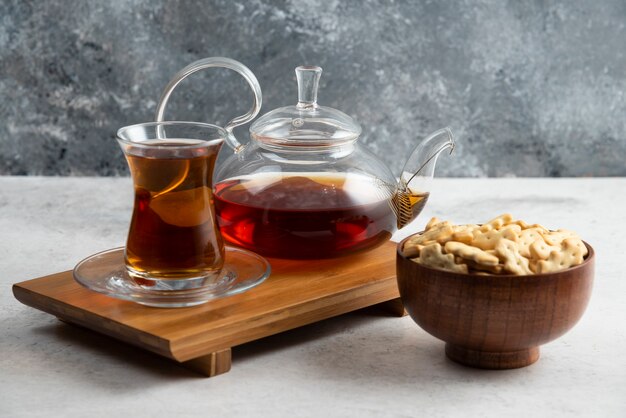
x=500 y=246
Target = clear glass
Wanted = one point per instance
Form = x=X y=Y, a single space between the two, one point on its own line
x=173 y=234
x=411 y=193
x=217 y=62
x=105 y=273
x=306 y=124
x=305 y=188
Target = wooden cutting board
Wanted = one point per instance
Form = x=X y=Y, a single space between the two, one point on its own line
x=297 y=293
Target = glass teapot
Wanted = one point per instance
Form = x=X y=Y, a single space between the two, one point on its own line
x=304 y=187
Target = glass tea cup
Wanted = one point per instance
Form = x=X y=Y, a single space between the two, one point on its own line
x=175 y=256
x=173 y=241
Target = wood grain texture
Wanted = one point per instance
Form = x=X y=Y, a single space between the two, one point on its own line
x=211 y=364
x=495 y=322
x=297 y=293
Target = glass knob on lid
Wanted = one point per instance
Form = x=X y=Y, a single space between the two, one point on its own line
x=307 y=124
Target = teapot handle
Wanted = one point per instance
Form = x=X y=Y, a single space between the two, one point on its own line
x=219 y=62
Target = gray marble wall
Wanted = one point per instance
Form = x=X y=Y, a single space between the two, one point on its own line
x=531 y=88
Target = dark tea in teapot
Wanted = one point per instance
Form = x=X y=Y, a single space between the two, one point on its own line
x=303 y=215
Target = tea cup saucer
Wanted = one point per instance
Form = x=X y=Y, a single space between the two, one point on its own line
x=105 y=272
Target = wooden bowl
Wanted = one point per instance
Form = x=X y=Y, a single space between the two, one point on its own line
x=494 y=322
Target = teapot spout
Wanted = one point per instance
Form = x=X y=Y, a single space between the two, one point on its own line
x=423 y=159
x=412 y=190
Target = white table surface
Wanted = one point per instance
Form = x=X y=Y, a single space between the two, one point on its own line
x=360 y=364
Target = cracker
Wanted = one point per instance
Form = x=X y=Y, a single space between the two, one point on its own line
x=432 y=256
x=577 y=242
x=508 y=252
x=557 y=237
x=500 y=246
x=411 y=251
x=525 y=238
x=540 y=249
x=487 y=240
x=475 y=267
x=464 y=234
x=468 y=252
x=572 y=253
x=440 y=234
x=524 y=225
x=433 y=222
x=498 y=222
x=425 y=237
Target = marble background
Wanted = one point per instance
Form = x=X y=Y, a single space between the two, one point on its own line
x=530 y=88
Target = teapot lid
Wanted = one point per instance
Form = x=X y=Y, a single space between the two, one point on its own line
x=306 y=124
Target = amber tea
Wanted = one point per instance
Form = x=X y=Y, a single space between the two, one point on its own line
x=407 y=204
x=173 y=234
